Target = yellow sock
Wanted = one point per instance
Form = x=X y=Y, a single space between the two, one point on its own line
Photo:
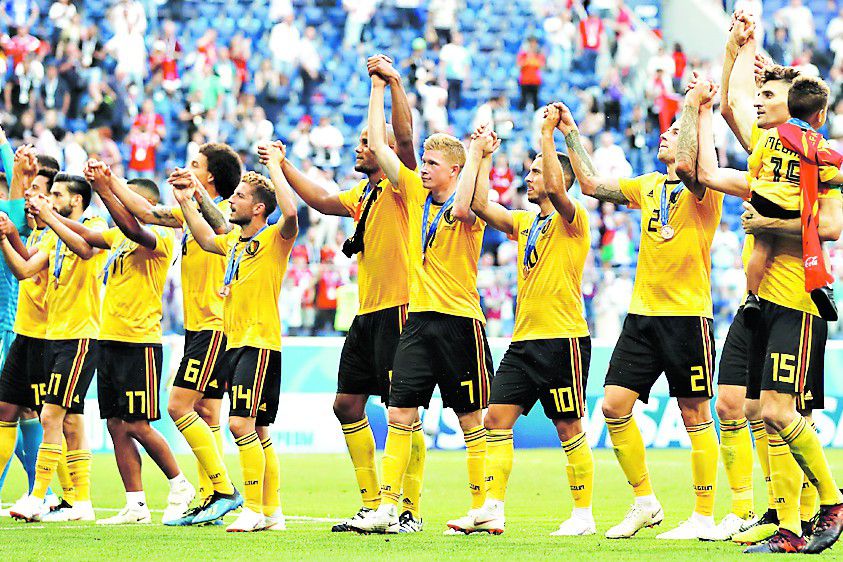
x=218 y=440
x=8 y=439
x=736 y=451
x=414 y=476
x=49 y=455
x=271 y=479
x=361 y=449
x=253 y=465
x=787 y=482
x=79 y=467
x=629 y=449
x=704 y=451
x=65 y=480
x=806 y=449
x=580 y=470
x=808 y=500
x=201 y=440
x=475 y=444
x=396 y=457
x=762 y=441
x=499 y=454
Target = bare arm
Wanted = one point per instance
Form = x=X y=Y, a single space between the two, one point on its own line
x=143 y=209
x=737 y=103
x=709 y=174
x=387 y=159
x=604 y=189
x=830 y=222
x=271 y=156
x=465 y=185
x=313 y=194
x=211 y=212
x=402 y=122
x=688 y=141
x=199 y=228
x=77 y=243
x=554 y=177
x=124 y=220
x=496 y=215
x=21 y=267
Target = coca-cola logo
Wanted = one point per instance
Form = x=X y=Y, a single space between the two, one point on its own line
x=812 y=261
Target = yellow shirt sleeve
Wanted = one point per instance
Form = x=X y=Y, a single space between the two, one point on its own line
x=754 y=161
x=579 y=226
x=409 y=182
x=111 y=235
x=178 y=213
x=631 y=189
x=755 y=136
x=165 y=240
x=351 y=197
x=221 y=241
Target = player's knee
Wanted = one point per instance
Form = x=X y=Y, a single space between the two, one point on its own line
x=240 y=426
x=52 y=420
x=176 y=409
x=114 y=425
x=775 y=416
x=728 y=408
x=137 y=429
x=752 y=410
x=613 y=410
x=348 y=410
x=9 y=412
x=206 y=411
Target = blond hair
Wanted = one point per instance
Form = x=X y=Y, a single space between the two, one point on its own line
x=451 y=147
x=264 y=189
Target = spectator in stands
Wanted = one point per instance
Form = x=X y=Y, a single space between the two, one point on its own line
x=680 y=61
x=54 y=93
x=530 y=63
x=327 y=141
x=129 y=50
x=799 y=22
x=636 y=140
x=779 y=48
x=359 y=14
x=442 y=17
x=283 y=45
x=128 y=17
x=208 y=86
x=19 y=13
x=725 y=247
x=61 y=14
x=408 y=13
x=609 y=158
x=592 y=34
x=328 y=282
x=25 y=84
x=455 y=61
x=502 y=181
x=561 y=36
x=280 y=9
x=144 y=141
x=495 y=111
x=19 y=45
x=310 y=66
x=434 y=99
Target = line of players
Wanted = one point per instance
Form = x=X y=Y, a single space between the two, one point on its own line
x=418 y=237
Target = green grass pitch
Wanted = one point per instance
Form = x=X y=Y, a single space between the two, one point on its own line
x=318 y=489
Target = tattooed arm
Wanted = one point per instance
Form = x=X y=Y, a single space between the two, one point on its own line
x=210 y=212
x=604 y=189
x=687 y=147
x=143 y=209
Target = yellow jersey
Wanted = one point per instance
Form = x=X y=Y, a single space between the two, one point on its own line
x=31 y=315
x=444 y=278
x=774 y=171
x=550 y=303
x=383 y=265
x=784 y=279
x=201 y=278
x=250 y=313
x=673 y=277
x=74 y=295
x=134 y=287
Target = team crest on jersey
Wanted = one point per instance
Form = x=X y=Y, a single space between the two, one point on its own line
x=253 y=247
x=449 y=216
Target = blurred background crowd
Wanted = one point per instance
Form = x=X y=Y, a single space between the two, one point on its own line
x=141 y=84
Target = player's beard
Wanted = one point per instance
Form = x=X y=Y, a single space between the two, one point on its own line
x=65 y=211
x=364 y=168
x=239 y=221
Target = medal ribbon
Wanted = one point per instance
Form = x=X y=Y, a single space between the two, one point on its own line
x=59 y=257
x=234 y=262
x=111 y=257
x=533 y=236
x=664 y=211
x=427 y=233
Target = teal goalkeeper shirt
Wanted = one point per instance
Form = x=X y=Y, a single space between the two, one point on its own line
x=17 y=214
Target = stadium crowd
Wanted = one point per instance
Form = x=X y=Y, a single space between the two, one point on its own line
x=142 y=84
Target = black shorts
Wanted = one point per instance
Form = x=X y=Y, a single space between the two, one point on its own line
x=734 y=359
x=554 y=371
x=445 y=350
x=70 y=367
x=767 y=208
x=128 y=380
x=255 y=376
x=368 y=352
x=23 y=381
x=199 y=368
x=681 y=347
x=788 y=355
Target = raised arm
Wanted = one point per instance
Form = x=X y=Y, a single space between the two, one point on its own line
x=387 y=159
x=552 y=173
x=7 y=156
x=738 y=80
x=496 y=215
x=210 y=212
x=142 y=209
x=20 y=264
x=402 y=115
x=101 y=179
x=24 y=170
x=313 y=194
x=602 y=188
x=82 y=241
x=271 y=156
x=687 y=148
x=199 y=228
x=709 y=173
